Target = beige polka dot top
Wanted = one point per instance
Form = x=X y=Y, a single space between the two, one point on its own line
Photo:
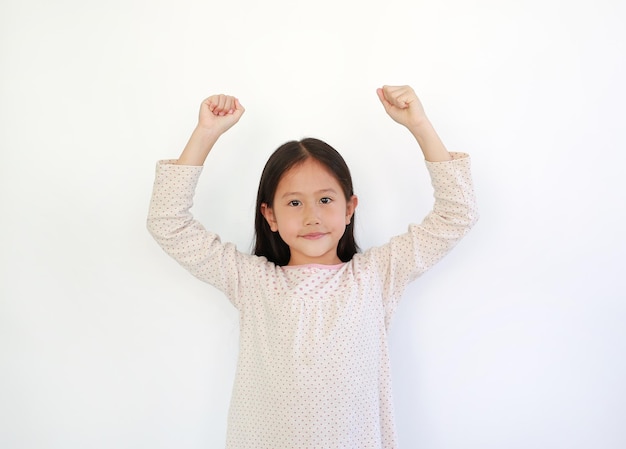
x=313 y=369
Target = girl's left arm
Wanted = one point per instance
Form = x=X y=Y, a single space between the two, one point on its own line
x=409 y=255
x=454 y=212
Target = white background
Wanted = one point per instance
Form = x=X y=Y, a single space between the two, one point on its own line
x=516 y=340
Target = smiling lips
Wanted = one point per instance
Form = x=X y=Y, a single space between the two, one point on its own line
x=314 y=235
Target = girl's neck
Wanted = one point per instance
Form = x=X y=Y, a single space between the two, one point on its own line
x=316 y=265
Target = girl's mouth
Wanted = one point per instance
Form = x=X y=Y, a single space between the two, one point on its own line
x=313 y=235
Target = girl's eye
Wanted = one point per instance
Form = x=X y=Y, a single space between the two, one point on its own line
x=326 y=200
x=294 y=203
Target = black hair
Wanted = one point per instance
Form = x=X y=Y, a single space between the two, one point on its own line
x=268 y=243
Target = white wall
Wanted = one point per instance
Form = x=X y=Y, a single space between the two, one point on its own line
x=516 y=340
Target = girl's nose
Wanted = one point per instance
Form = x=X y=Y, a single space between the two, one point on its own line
x=311 y=215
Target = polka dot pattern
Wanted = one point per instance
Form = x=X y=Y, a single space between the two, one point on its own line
x=313 y=369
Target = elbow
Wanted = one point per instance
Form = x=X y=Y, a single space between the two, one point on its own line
x=468 y=214
x=472 y=218
x=464 y=217
x=152 y=227
x=459 y=223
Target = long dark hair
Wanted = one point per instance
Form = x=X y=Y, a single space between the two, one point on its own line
x=288 y=155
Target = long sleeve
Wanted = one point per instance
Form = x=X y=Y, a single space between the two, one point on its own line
x=454 y=213
x=182 y=237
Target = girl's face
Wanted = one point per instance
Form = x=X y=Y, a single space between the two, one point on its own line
x=310 y=212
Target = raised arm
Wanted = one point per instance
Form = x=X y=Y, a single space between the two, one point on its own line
x=218 y=114
x=170 y=220
x=404 y=107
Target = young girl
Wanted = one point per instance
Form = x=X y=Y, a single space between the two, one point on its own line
x=313 y=367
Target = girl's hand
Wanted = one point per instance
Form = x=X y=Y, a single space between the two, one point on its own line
x=219 y=112
x=402 y=105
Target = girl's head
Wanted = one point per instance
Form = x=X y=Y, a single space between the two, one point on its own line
x=305 y=206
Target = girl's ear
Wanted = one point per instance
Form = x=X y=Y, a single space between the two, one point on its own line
x=268 y=213
x=351 y=207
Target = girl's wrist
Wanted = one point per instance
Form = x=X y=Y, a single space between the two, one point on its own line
x=198 y=147
x=420 y=128
x=204 y=133
x=431 y=145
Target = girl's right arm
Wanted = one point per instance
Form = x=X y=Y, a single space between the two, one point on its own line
x=169 y=219
x=218 y=114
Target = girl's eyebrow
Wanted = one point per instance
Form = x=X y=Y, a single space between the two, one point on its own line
x=318 y=192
